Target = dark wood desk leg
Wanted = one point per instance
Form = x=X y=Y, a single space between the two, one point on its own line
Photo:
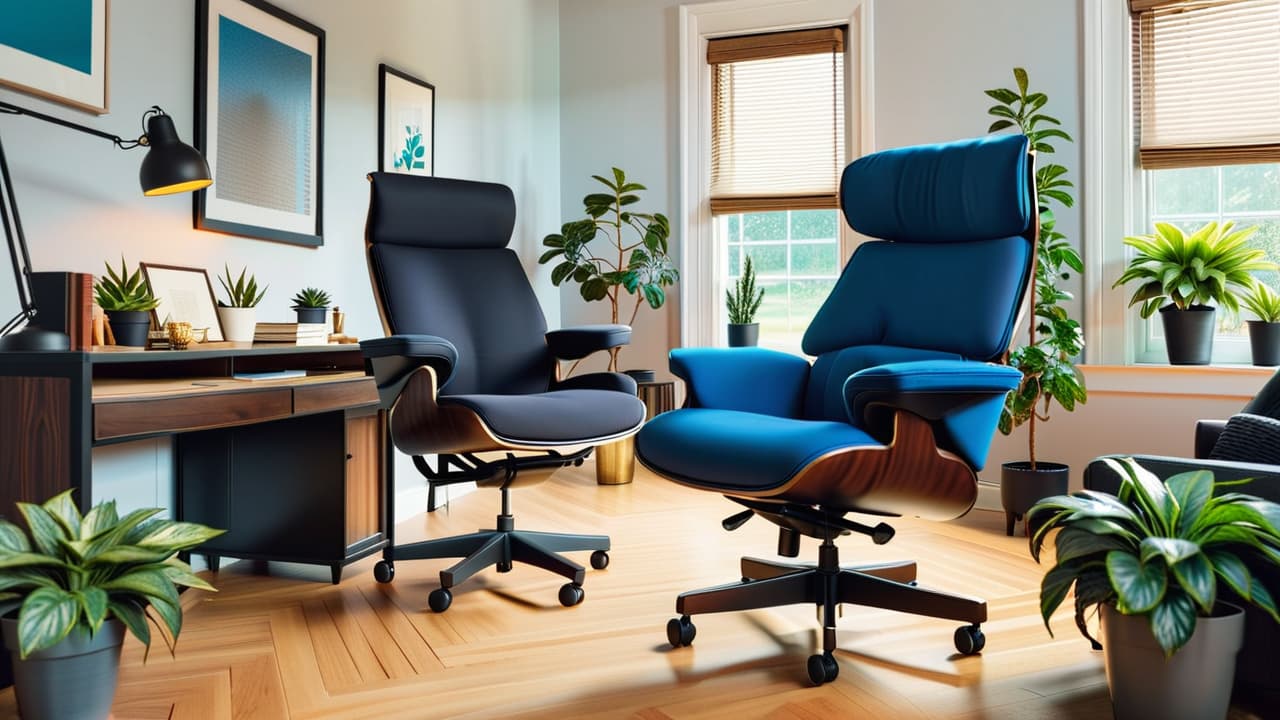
x=214 y=561
x=335 y=572
x=388 y=488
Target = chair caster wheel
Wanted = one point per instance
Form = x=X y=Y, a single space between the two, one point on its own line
x=970 y=640
x=571 y=594
x=599 y=559
x=440 y=599
x=504 y=567
x=384 y=572
x=681 y=631
x=823 y=668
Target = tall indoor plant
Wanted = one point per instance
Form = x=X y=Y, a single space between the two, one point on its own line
x=637 y=265
x=77 y=582
x=743 y=302
x=1054 y=339
x=1180 y=275
x=1157 y=560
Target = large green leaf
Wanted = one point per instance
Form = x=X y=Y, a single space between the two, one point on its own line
x=1173 y=622
x=100 y=518
x=1173 y=550
x=1195 y=575
x=1075 y=542
x=180 y=573
x=130 y=612
x=1191 y=491
x=46 y=617
x=1139 y=587
x=12 y=538
x=150 y=583
x=94 y=602
x=45 y=529
x=64 y=510
x=1232 y=570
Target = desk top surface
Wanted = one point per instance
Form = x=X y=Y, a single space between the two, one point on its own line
x=112 y=354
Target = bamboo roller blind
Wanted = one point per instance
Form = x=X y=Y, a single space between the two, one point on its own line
x=1207 y=81
x=777 y=126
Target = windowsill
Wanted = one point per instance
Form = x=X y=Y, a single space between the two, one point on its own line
x=1241 y=381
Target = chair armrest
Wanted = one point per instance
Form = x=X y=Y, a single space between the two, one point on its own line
x=1207 y=433
x=1266 y=478
x=578 y=342
x=961 y=398
x=755 y=380
x=391 y=360
x=616 y=382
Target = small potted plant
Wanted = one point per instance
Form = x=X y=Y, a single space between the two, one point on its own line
x=128 y=302
x=311 y=304
x=77 y=583
x=1180 y=275
x=239 y=313
x=1158 y=559
x=743 y=302
x=1264 y=333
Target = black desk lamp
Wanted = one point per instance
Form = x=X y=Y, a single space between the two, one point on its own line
x=170 y=166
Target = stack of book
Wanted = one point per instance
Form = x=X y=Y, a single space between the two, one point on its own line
x=293 y=333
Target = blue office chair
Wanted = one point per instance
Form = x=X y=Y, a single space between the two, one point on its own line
x=896 y=413
x=469 y=371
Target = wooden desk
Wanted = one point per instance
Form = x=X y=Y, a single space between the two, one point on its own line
x=295 y=469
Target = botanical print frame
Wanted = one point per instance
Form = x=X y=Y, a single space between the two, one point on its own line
x=185 y=295
x=406 y=123
x=260 y=121
x=57 y=50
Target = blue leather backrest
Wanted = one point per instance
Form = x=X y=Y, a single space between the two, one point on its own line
x=438 y=256
x=947 y=276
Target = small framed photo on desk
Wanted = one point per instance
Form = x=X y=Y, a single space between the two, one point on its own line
x=185 y=295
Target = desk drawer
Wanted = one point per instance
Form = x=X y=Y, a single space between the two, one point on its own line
x=202 y=412
x=334 y=396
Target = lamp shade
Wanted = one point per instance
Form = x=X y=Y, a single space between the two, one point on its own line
x=171 y=166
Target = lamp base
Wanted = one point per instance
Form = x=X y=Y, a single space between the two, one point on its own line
x=34 y=339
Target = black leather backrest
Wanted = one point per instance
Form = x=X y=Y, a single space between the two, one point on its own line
x=437 y=252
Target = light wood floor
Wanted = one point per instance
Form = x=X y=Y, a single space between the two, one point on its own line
x=292 y=645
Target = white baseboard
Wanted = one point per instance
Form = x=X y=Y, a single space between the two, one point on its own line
x=988 y=497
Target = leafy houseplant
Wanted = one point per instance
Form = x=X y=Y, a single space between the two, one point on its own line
x=743 y=302
x=1054 y=339
x=641 y=267
x=310 y=304
x=238 y=313
x=1264 y=333
x=1156 y=558
x=128 y=302
x=1180 y=274
x=77 y=582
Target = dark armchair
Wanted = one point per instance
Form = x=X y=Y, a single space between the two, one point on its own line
x=468 y=371
x=896 y=413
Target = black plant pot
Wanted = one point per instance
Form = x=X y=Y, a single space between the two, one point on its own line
x=744 y=335
x=1188 y=334
x=311 y=315
x=1021 y=487
x=1264 y=341
x=129 y=327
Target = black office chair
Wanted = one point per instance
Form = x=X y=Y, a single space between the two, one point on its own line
x=469 y=369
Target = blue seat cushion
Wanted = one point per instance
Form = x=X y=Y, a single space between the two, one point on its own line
x=557 y=417
x=728 y=450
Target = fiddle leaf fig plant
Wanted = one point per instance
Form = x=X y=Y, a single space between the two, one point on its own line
x=634 y=261
x=1054 y=338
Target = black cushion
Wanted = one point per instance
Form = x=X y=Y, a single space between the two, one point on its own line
x=562 y=416
x=1267 y=401
x=1249 y=438
x=616 y=382
x=439 y=212
x=578 y=342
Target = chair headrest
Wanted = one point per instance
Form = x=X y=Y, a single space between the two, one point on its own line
x=439 y=212
x=952 y=192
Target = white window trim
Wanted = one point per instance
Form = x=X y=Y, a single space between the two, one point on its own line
x=701 y=270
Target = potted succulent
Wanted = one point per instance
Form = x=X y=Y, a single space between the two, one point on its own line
x=311 y=304
x=77 y=583
x=1054 y=338
x=128 y=302
x=1180 y=275
x=1157 y=560
x=238 y=313
x=1264 y=333
x=743 y=302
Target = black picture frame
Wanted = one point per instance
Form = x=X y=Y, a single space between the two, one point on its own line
x=167 y=282
x=386 y=103
x=235 y=203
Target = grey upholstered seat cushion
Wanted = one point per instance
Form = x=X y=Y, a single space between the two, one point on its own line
x=557 y=417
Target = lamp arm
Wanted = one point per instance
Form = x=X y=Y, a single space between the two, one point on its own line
x=11 y=109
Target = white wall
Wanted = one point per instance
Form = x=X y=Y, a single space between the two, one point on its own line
x=495 y=68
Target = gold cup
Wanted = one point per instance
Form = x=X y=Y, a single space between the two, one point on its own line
x=339 y=320
x=180 y=335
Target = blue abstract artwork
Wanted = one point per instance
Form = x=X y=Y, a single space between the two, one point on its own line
x=60 y=31
x=264 y=129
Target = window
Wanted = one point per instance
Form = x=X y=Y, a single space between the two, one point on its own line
x=1206 y=112
x=777 y=150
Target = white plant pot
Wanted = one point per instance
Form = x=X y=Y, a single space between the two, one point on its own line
x=238 y=323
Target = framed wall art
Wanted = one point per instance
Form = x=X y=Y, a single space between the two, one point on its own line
x=406 y=123
x=260 y=121
x=56 y=49
x=185 y=295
